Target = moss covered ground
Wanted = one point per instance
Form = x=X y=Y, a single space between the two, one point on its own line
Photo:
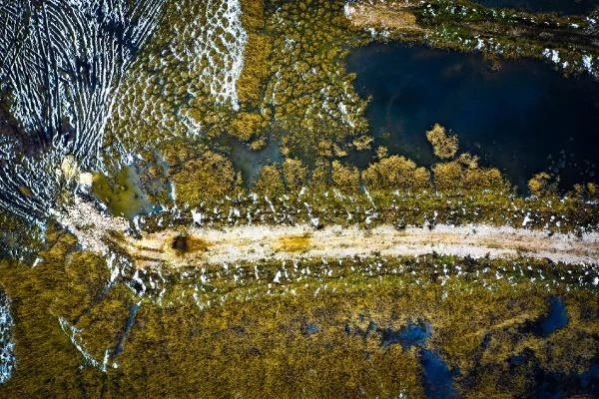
x=316 y=331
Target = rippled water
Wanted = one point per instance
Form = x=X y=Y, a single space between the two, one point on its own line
x=63 y=103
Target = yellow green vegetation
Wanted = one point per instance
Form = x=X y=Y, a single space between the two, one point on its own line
x=308 y=89
x=542 y=183
x=318 y=331
x=455 y=175
x=295 y=174
x=396 y=172
x=122 y=195
x=201 y=177
x=345 y=178
x=250 y=85
x=445 y=146
x=246 y=125
x=270 y=181
x=18 y=238
x=293 y=87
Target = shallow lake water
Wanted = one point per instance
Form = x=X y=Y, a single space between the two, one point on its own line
x=524 y=119
x=559 y=6
x=250 y=162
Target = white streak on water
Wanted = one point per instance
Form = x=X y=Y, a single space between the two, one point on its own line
x=219 y=42
x=7 y=345
x=74 y=336
x=62 y=61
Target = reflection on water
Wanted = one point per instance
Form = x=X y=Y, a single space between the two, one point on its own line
x=523 y=119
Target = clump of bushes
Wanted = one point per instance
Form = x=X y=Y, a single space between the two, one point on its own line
x=207 y=177
x=396 y=172
x=445 y=146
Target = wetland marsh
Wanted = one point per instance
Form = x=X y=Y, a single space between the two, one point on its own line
x=299 y=199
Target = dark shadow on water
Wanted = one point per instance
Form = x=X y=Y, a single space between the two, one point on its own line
x=524 y=119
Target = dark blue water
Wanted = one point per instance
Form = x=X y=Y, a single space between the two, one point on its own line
x=523 y=119
x=556 y=318
x=550 y=385
x=311 y=329
x=414 y=334
x=130 y=321
x=437 y=377
x=559 y=6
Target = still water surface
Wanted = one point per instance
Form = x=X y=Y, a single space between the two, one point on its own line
x=524 y=119
x=559 y=6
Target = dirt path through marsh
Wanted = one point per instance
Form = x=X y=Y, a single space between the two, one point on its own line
x=198 y=246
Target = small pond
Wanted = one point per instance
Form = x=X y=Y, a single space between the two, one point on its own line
x=523 y=119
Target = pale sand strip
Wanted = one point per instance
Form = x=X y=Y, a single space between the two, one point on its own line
x=253 y=243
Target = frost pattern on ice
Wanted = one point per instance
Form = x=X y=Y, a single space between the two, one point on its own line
x=62 y=61
x=7 y=346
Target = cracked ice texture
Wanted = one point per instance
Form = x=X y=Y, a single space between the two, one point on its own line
x=62 y=61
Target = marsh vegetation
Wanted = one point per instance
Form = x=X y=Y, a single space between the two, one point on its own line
x=269 y=77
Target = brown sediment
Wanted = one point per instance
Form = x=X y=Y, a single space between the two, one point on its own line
x=295 y=244
x=395 y=16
